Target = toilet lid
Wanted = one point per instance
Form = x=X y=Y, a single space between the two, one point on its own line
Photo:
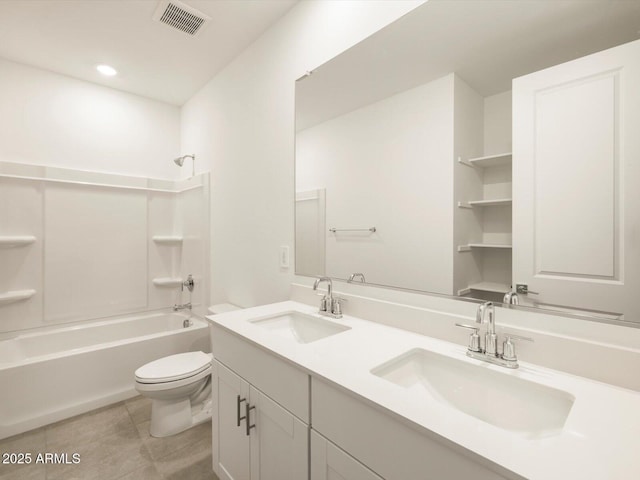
x=173 y=367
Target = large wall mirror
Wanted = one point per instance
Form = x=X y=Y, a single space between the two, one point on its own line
x=469 y=149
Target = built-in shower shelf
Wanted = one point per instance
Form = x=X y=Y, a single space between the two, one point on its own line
x=10 y=241
x=167 y=282
x=167 y=239
x=16 y=296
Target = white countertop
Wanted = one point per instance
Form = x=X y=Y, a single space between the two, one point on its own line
x=600 y=438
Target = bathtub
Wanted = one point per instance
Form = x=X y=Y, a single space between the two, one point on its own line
x=55 y=374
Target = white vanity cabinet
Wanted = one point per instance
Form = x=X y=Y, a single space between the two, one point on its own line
x=261 y=413
x=231 y=444
x=254 y=437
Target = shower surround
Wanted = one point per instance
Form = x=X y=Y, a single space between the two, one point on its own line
x=99 y=245
x=76 y=247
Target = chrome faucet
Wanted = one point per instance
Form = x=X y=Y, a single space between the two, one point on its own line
x=511 y=298
x=490 y=339
x=486 y=315
x=329 y=305
x=353 y=276
x=184 y=306
x=189 y=283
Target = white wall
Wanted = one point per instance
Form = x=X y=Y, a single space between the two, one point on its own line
x=54 y=120
x=387 y=165
x=241 y=126
x=497 y=123
x=467 y=185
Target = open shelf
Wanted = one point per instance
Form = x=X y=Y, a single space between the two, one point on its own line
x=167 y=282
x=469 y=247
x=9 y=241
x=491 y=160
x=167 y=239
x=488 y=245
x=16 y=296
x=491 y=287
x=489 y=203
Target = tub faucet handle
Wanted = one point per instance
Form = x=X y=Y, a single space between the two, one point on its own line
x=189 y=283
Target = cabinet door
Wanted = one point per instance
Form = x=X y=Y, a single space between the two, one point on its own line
x=329 y=462
x=576 y=201
x=231 y=445
x=279 y=441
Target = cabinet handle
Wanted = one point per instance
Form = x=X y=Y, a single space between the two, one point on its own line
x=238 y=402
x=247 y=415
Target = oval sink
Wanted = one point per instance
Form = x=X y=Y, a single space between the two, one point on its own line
x=300 y=327
x=500 y=399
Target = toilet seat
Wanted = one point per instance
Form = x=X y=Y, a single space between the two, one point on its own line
x=182 y=366
x=174 y=385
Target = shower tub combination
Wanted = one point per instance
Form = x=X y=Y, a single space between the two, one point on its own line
x=55 y=374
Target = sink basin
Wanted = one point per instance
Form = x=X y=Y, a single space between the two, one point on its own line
x=503 y=400
x=300 y=327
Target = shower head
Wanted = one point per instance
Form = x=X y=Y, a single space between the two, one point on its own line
x=180 y=161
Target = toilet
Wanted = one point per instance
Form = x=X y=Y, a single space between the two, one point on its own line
x=180 y=388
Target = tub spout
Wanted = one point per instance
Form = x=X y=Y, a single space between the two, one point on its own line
x=184 y=306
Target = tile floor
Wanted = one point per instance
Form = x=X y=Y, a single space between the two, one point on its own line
x=113 y=443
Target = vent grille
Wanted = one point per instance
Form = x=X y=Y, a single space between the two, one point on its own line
x=182 y=17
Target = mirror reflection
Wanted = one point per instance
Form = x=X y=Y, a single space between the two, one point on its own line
x=474 y=149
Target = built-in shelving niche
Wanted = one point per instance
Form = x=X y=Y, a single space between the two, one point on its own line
x=16 y=241
x=494 y=203
x=174 y=242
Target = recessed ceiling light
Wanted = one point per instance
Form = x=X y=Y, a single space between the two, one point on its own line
x=107 y=70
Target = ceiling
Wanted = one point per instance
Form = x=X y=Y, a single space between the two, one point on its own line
x=486 y=42
x=71 y=37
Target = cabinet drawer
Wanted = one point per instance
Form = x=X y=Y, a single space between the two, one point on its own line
x=388 y=446
x=278 y=379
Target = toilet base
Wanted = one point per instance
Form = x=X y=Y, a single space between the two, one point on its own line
x=169 y=417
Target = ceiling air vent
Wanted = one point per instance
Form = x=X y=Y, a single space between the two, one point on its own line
x=181 y=17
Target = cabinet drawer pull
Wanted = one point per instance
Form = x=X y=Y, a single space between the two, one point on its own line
x=247 y=415
x=239 y=401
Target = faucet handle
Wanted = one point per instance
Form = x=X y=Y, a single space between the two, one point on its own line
x=336 y=306
x=470 y=327
x=474 y=338
x=509 y=349
x=517 y=337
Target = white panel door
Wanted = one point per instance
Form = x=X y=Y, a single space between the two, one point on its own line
x=231 y=446
x=279 y=441
x=576 y=168
x=329 y=462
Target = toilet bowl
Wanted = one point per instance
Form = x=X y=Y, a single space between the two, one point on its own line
x=180 y=389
